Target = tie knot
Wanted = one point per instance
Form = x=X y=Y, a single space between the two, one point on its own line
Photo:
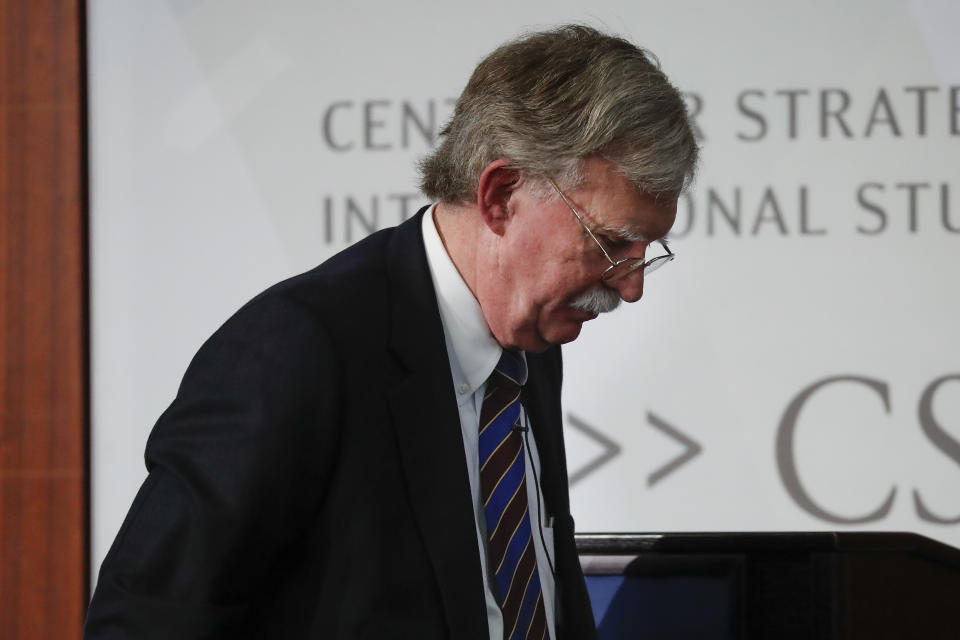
x=513 y=366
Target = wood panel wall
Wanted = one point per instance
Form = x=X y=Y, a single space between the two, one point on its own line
x=43 y=334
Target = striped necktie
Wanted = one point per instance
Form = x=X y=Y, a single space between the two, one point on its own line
x=503 y=489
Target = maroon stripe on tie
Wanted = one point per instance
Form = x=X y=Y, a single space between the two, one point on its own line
x=538 y=625
x=497 y=400
x=518 y=586
x=511 y=518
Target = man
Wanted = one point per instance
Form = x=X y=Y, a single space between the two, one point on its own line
x=327 y=468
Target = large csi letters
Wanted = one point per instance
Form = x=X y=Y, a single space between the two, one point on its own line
x=787 y=464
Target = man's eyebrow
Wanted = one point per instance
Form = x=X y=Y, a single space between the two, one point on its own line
x=625 y=234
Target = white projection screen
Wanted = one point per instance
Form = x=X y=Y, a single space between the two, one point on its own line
x=795 y=368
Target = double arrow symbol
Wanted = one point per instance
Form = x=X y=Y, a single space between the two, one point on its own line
x=611 y=449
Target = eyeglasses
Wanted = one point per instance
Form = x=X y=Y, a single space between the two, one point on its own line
x=619 y=268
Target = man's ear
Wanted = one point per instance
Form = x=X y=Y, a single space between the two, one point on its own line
x=496 y=185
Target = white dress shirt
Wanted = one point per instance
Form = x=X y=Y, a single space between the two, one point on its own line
x=473 y=354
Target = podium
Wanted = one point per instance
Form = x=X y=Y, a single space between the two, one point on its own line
x=778 y=586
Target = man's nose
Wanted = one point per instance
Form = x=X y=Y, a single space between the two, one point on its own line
x=630 y=286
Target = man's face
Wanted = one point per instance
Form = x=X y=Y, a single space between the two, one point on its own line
x=547 y=268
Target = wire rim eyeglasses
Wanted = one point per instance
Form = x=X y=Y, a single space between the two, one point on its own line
x=625 y=266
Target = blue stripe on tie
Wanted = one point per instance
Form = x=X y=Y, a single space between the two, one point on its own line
x=491 y=438
x=513 y=365
x=527 y=608
x=514 y=552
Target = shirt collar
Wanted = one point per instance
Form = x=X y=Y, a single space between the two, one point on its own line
x=472 y=349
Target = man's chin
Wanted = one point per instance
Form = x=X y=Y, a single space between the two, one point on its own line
x=564 y=325
x=566 y=332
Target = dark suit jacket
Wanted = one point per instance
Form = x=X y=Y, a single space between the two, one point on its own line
x=308 y=480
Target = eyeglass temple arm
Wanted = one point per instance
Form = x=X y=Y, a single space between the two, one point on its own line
x=582 y=223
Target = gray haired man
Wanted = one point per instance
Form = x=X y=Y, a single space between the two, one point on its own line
x=374 y=449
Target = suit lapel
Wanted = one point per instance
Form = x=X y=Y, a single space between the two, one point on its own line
x=427 y=425
x=542 y=403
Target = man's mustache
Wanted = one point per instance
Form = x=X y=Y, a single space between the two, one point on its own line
x=597 y=300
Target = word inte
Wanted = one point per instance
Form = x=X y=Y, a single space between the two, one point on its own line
x=348 y=219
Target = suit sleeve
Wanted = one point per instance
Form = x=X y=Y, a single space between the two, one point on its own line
x=237 y=466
